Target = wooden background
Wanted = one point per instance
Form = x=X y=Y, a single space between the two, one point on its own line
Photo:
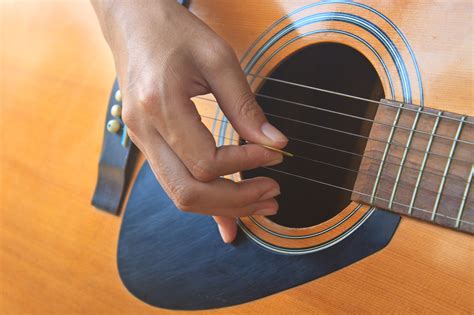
x=58 y=254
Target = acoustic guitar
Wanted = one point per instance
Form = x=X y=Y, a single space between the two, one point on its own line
x=376 y=99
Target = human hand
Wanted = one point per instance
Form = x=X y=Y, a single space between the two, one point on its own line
x=164 y=56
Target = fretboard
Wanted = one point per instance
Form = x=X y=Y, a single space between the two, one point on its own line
x=419 y=162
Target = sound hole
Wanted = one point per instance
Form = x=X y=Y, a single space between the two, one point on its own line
x=334 y=67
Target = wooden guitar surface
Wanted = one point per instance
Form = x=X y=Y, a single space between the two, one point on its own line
x=58 y=254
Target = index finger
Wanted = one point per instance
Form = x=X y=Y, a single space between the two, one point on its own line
x=217 y=197
x=181 y=126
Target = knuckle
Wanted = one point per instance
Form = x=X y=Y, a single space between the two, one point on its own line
x=223 y=49
x=203 y=170
x=247 y=106
x=129 y=117
x=222 y=52
x=145 y=96
x=143 y=101
x=184 y=198
x=148 y=99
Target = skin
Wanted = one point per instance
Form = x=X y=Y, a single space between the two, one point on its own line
x=164 y=56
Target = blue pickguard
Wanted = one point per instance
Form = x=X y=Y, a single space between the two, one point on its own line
x=177 y=260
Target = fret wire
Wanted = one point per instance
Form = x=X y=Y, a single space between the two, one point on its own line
x=312 y=160
x=404 y=156
x=423 y=163
x=357 y=192
x=361 y=155
x=418 y=111
x=384 y=156
x=464 y=198
x=378 y=177
x=341 y=131
x=446 y=169
x=339 y=187
x=339 y=150
x=347 y=95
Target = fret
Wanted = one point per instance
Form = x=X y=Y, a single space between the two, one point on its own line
x=423 y=163
x=385 y=153
x=464 y=198
x=435 y=185
x=446 y=169
x=404 y=156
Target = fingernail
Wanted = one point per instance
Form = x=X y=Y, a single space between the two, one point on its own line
x=273 y=134
x=275 y=161
x=270 y=194
x=225 y=236
x=266 y=211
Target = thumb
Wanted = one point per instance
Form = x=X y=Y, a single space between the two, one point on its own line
x=238 y=103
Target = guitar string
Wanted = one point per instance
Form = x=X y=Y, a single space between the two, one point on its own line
x=367 y=195
x=368 y=138
x=345 y=151
x=361 y=118
x=330 y=164
x=344 y=188
x=352 y=96
x=350 y=133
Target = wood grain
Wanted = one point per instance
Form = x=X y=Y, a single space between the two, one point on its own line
x=403 y=173
x=58 y=254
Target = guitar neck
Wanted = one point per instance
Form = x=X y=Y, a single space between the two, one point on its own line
x=419 y=162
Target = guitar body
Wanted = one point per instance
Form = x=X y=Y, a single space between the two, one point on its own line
x=413 y=52
x=353 y=48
